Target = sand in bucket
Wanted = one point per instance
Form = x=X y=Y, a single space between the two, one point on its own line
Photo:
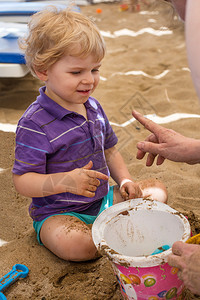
x=128 y=233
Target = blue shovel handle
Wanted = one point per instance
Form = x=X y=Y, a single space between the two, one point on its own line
x=161 y=249
x=2 y=296
x=18 y=271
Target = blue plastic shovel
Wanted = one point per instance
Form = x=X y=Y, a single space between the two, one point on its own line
x=159 y=250
x=18 y=271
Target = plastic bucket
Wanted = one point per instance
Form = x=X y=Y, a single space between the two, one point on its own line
x=128 y=233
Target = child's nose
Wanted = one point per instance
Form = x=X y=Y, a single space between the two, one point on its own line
x=88 y=78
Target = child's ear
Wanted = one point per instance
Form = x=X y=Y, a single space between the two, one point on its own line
x=42 y=75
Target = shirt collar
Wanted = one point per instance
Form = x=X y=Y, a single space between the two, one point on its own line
x=54 y=108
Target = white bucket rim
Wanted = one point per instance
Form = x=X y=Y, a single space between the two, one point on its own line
x=134 y=204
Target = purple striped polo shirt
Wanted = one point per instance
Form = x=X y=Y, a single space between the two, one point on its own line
x=51 y=139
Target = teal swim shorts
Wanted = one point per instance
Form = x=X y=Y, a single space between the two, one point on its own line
x=107 y=201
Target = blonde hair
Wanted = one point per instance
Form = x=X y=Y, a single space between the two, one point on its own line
x=54 y=33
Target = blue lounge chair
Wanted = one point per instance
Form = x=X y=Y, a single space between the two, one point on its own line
x=21 y=11
x=12 y=62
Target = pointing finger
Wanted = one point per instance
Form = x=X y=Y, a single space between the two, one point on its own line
x=148 y=124
x=95 y=174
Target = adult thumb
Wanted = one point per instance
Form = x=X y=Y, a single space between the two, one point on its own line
x=88 y=166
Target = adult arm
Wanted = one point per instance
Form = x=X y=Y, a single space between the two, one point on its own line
x=166 y=143
x=80 y=181
x=192 y=32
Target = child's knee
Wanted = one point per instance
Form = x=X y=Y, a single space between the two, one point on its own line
x=154 y=189
x=78 y=246
x=73 y=244
x=155 y=193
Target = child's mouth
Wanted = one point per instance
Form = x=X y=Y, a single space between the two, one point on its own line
x=84 y=92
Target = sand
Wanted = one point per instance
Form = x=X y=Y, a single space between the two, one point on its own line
x=164 y=88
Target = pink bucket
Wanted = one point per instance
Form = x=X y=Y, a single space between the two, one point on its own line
x=128 y=233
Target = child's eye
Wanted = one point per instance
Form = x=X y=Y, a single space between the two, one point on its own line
x=75 y=73
x=95 y=70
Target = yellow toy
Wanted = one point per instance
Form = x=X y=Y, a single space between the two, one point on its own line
x=194 y=239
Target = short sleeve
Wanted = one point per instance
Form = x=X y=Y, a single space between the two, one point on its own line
x=32 y=148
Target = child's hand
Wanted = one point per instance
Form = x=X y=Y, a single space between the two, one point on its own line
x=130 y=190
x=83 y=181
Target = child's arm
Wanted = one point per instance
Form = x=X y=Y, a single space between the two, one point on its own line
x=119 y=173
x=80 y=181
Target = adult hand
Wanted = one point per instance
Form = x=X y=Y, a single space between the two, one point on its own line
x=186 y=257
x=83 y=181
x=166 y=143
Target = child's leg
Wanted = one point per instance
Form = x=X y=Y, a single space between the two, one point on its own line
x=69 y=238
x=151 y=188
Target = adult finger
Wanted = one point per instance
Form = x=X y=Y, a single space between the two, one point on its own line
x=150 y=159
x=140 y=154
x=152 y=138
x=179 y=248
x=160 y=160
x=148 y=124
x=149 y=147
x=184 y=249
x=175 y=261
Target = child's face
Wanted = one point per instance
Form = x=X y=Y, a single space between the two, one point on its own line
x=71 y=80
